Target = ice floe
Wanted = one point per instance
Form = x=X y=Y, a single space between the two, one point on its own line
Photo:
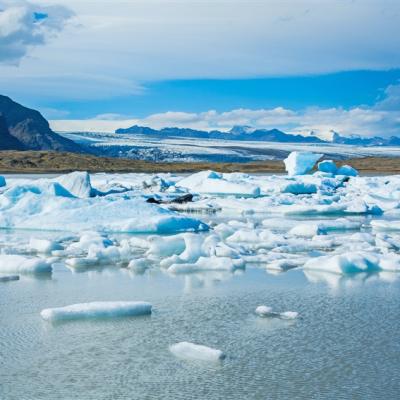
x=13 y=263
x=193 y=351
x=99 y=309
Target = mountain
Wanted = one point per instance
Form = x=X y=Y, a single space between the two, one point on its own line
x=365 y=141
x=236 y=133
x=30 y=129
x=7 y=141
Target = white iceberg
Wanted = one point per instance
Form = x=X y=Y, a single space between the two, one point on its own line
x=14 y=263
x=98 y=309
x=300 y=162
x=44 y=246
x=265 y=311
x=193 y=351
x=210 y=182
x=78 y=183
x=28 y=208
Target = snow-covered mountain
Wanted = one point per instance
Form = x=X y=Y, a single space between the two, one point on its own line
x=236 y=133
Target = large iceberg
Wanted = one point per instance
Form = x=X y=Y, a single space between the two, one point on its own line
x=300 y=162
x=33 y=208
x=98 y=309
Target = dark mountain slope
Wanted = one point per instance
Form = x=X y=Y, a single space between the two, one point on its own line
x=31 y=129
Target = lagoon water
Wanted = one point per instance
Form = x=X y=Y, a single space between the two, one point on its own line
x=344 y=344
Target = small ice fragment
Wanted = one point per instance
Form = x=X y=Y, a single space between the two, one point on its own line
x=8 y=278
x=2 y=181
x=307 y=230
x=97 y=309
x=300 y=162
x=289 y=315
x=264 y=311
x=196 y=352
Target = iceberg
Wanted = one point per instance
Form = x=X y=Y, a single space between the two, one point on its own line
x=2 y=181
x=30 y=209
x=210 y=182
x=193 y=351
x=77 y=183
x=347 y=170
x=98 y=309
x=300 y=162
x=44 y=246
x=327 y=166
x=14 y=263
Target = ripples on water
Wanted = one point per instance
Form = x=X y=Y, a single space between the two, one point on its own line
x=343 y=346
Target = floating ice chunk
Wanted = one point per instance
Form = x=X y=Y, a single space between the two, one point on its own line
x=77 y=183
x=346 y=263
x=289 y=315
x=300 y=188
x=2 y=181
x=300 y=162
x=8 y=278
x=210 y=182
x=44 y=246
x=347 y=170
x=327 y=166
x=307 y=230
x=139 y=265
x=30 y=210
x=81 y=262
x=97 y=309
x=193 y=351
x=13 y=263
x=264 y=311
x=166 y=246
x=380 y=225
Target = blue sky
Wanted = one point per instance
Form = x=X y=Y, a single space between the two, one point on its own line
x=300 y=65
x=346 y=89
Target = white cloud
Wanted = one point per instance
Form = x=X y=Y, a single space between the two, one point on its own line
x=360 y=121
x=24 y=25
x=147 y=40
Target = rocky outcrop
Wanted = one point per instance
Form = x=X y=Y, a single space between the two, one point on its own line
x=31 y=130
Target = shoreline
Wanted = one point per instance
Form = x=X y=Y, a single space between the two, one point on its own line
x=48 y=162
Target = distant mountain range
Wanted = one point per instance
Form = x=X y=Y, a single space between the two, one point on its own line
x=236 y=133
x=266 y=135
x=22 y=128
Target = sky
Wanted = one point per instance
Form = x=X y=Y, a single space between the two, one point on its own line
x=298 y=65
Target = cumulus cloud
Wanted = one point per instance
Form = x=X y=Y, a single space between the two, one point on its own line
x=24 y=25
